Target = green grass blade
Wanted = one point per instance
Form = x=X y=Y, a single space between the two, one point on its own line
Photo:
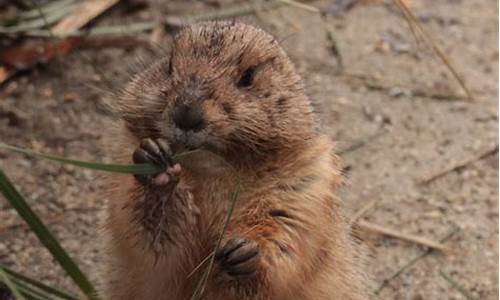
x=48 y=289
x=23 y=290
x=30 y=292
x=6 y=280
x=133 y=169
x=17 y=201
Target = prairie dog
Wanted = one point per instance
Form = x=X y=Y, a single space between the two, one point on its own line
x=228 y=89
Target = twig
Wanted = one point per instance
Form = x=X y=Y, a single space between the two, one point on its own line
x=399 y=235
x=456 y=286
x=425 y=93
x=455 y=166
x=81 y=15
x=334 y=47
x=374 y=83
x=413 y=22
x=363 y=211
x=361 y=142
x=203 y=261
x=414 y=32
x=303 y=6
x=413 y=261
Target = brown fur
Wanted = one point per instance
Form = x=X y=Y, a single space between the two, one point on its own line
x=267 y=136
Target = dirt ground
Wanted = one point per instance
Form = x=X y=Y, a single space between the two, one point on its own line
x=395 y=111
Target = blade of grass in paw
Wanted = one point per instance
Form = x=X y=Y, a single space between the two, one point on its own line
x=134 y=169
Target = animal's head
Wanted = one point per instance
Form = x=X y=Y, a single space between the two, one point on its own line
x=226 y=87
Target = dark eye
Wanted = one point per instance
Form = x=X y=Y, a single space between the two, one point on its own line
x=170 y=62
x=246 y=79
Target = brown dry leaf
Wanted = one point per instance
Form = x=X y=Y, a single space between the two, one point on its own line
x=29 y=54
x=6 y=73
x=84 y=13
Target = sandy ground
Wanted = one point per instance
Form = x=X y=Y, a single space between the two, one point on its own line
x=391 y=129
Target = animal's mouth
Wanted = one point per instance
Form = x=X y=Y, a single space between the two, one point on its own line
x=188 y=140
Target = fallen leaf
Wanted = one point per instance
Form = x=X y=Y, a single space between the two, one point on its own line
x=31 y=53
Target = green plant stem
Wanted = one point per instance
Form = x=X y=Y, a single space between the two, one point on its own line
x=12 y=287
x=46 y=238
x=135 y=168
x=19 y=277
x=30 y=292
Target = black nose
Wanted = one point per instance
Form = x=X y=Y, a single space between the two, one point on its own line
x=188 y=117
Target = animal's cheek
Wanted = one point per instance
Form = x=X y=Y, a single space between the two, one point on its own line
x=216 y=117
x=211 y=111
x=222 y=127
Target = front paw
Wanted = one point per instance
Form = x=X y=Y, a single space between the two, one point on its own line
x=239 y=257
x=156 y=152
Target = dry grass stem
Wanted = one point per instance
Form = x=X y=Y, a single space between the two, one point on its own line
x=456 y=286
x=362 y=141
x=458 y=165
x=334 y=47
x=200 y=264
x=413 y=261
x=379 y=84
x=363 y=211
x=417 y=28
x=85 y=12
x=301 y=5
x=402 y=236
